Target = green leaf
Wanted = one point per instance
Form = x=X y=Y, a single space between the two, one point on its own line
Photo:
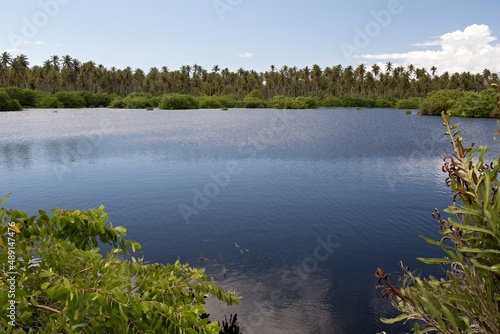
x=122 y=313
x=4 y=198
x=46 y=273
x=399 y=318
x=495 y=268
x=477 y=250
x=120 y=229
x=434 y=260
x=449 y=316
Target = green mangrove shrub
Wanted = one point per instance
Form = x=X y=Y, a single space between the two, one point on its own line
x=97 y=99
x=408 y=103
x=355 y=101
x=178 y=101
x=467 y=298
x=304 y=102
x=385 y=102
x=254 y=100
x=49 y=101
x=26 y=97
x=473 y=104
x=219 y=101
x=137 y=102
x=8 y=104
x=331 y=101
x=281 y=102
x=117 y=103
x=210 y=102
x=438 y=101
x=54 y=280
x=71 y=99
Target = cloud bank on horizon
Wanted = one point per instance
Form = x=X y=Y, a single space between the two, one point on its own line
x=471 y=50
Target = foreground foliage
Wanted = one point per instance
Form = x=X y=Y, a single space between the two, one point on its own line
x=54 y=280
x=467 y=298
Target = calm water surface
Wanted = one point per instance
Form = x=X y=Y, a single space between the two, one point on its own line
x=315 y=200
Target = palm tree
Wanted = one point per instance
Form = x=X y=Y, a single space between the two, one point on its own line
x=375 y=70
x=20 y=69
x=87 y=74
x=423 y=81
x=54 y=74
x=66 y=73
x=388 y=67
x=5 y=61
x=55 y=61
x=316 y=77
x=411 y=69
x=433 y=71
x=337 y=78
x=359 y=73
x=138 y=80
x=45 y=75
x=348 y=80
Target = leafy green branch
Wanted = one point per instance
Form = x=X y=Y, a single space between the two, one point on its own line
x=64 y=284
x=467 y=298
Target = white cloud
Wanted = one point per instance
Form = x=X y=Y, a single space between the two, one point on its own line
x=247 y=55
x=25 y=44
x=33 y=43
x=430 y=43
x=472 y=49
x=11 y=50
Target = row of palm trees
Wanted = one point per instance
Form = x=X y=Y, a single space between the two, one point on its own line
x=67 y=73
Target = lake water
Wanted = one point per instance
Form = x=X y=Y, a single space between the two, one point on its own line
x=315 y=200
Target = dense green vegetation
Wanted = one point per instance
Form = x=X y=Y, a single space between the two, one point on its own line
x=7 y=103
x=54 y=280
x=467 y=298
x=62 y=81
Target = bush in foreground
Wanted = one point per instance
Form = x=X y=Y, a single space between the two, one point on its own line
x=72 y=288
x=467 y=298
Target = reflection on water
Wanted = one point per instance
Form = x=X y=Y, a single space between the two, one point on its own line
x=14 y=155
x=274 y=182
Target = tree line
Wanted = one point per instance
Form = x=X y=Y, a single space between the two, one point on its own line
x=66 y=73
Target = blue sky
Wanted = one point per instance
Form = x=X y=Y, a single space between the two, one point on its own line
x=254 y=34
